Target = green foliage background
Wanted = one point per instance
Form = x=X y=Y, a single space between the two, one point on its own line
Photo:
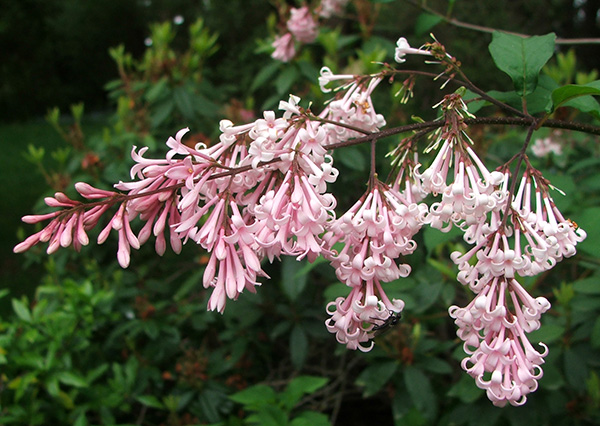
x=84 y=342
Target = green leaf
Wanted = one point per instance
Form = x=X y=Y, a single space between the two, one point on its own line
x=522 y=58
x=547 y=334
x=264 y=75
x=595 y=334
x=576 y=371
x=375 y=376
x=298 y=346
x=434 y=237
x=425 y=22
x=571 y=91
x=586 y=104
x=442 y=267
x=308 y=70
x=300 y=386
x=286 y=79
x=184 y=102
x=588 y=221
x=466 y=390
x=211 y=403
x=161 y=112
x=353 y=158
x=255 y=396
x=71 y=379
x=205 y=107
x=269 y=415
x=310 y=418
x=150 y=401
x=589 y=285
x=21 y=309
x=537 y=101
x=293 y=279
x=435 y=365
x=81 y=420
x=421 y=393
x=158 y=90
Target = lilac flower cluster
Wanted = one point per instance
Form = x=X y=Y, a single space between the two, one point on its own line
x=302 y=27
x=261 y=192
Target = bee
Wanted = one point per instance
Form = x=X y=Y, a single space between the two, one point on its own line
x=389 y=322
x=573 y=224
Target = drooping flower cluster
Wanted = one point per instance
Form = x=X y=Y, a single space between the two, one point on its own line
x=374 y=234
x=520 y=235
x=493 y=327
x=509 y=240
x=261 y=192
x=258 y=193
x=471 y=191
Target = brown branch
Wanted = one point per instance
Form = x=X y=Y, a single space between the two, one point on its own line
x=460 y=24
x=469 y=85
x=373 y=137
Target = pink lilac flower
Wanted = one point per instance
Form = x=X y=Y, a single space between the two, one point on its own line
x=354 y=317
x=375 y=232
x=403 y=48
x=234 y=264
x=534 y=239
x=302 y=25
x=68 y=227
x=285 y=50
x=331 y=8
x=471 y=191
x=549 y=234
x=543 y=146
x=352 y=106
x=293 y=215
x=493 y=327
x=404 y=181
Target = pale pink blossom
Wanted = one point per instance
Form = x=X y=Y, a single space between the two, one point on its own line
x=290 y=107
x=469 y=191
x=353 y=319
x=493 y=327
x=302 y=25
x=543 y=146
x=331 y=8
x=375 y=232
x=234 y=264
x=285 y=50
x=294 y=217
x=352 y=106
x=403 y=48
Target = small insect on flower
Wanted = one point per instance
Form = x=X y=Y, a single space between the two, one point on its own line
x=385 y=326
x=573 y=224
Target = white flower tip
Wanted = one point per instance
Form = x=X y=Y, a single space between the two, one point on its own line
x=371 y=300
x=180 y=133
x=224 y=124
x=398 y=304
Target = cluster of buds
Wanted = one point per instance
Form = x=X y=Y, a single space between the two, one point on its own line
x=261 y=192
